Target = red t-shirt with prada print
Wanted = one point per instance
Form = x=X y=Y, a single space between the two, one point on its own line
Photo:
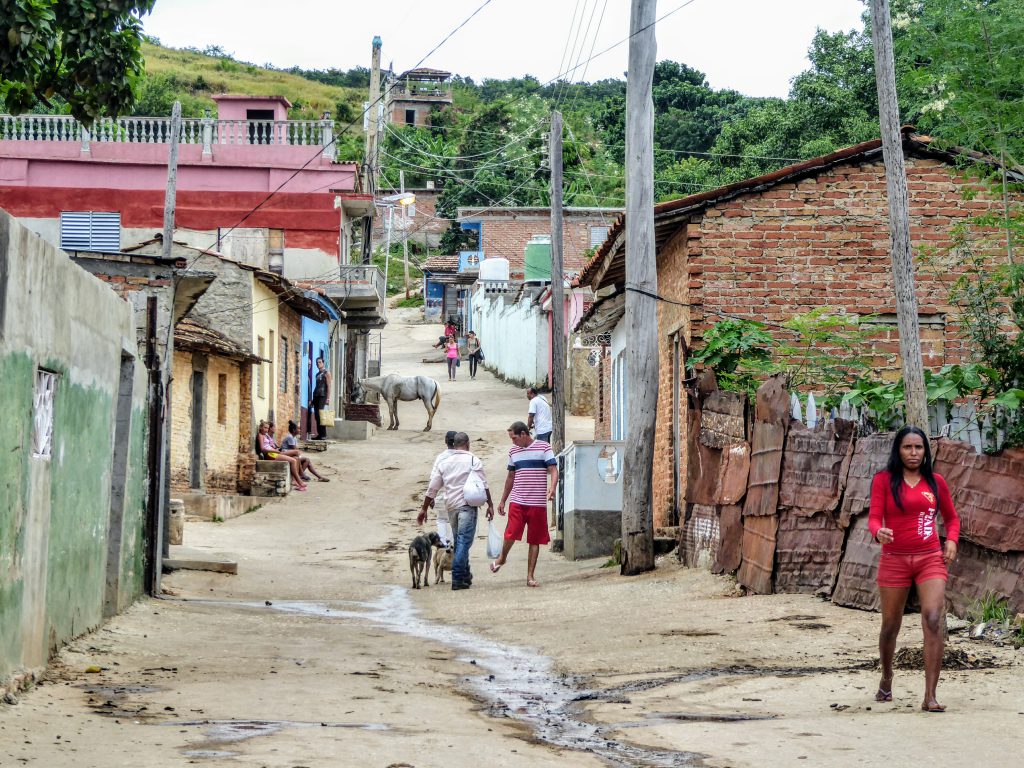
x=914 y=528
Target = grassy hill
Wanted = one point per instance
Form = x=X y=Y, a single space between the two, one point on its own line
x=193 y=78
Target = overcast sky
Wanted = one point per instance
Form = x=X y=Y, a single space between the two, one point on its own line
x=753 y=46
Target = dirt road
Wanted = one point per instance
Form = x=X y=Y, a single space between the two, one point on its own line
x=318 y=654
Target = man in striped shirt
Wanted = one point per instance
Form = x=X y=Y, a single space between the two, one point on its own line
x=530 y=484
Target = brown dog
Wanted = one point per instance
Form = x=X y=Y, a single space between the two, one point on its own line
x=442 y=562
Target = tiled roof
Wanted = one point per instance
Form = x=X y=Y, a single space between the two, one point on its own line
x=441 y=264
x=190 y=335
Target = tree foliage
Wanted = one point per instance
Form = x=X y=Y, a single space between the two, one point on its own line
x=85 y=53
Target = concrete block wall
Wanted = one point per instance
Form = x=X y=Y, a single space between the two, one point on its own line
x=70 y=522
x=515 y=337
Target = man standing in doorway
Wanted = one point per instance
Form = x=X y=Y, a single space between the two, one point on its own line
x=451 y=473
x=531 y=481
x=539 y=419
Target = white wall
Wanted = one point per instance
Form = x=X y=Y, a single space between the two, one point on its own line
x=620 y=382
x=513 y=336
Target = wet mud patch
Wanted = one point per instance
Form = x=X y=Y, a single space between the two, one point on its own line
x=514 y=683
x=690 y=633
x=218 y=734
x=952 y=658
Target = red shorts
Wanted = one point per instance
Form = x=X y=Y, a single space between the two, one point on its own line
x=520 y=516
x=902 y=570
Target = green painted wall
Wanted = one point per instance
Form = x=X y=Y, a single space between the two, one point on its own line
x=79 y=510
x=132 y=548
x=16 y=372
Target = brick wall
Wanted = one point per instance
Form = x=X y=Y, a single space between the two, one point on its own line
x=246 y=431
x=505 y=235
x=424 y=223
x=181 y=421
x=221 y=439
x=822 y=241
x=603 y=408
x=290 y=330
x=673 y=282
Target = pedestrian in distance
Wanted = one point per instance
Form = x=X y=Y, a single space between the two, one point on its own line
x=474 y=352
x=904 y=499
x=321 y=394
x=444 y=527
x=451 y=353
x=530 y=485
x=457 y=473
x=449 y=330
x=539 y=416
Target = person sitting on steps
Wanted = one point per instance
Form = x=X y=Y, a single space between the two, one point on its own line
x=290 y=447
x=269 y=450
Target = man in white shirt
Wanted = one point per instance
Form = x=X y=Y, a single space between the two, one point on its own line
x=444 y=526
x=451 y=473
x=539 y=419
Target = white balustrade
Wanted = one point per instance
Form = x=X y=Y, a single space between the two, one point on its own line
x=156 y=130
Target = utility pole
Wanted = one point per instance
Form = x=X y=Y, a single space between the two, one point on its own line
x=641 y=316
x=157 y=521
x=899 y=217
x=405 y=234
x=557 y=289
x=370 y=161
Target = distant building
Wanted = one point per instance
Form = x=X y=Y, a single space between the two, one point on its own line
x=417 y=93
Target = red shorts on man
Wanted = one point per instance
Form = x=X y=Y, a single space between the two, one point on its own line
x=903 y=570
x=535 y=519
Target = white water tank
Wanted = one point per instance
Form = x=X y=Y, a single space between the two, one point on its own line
x=493 y=270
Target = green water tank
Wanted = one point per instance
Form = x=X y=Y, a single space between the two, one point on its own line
x=537 y=260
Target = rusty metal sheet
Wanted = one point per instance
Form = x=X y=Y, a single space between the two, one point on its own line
x=772 y=404
x=815 y=465
x=870 y=455
x=978 y=572
x=733 y=471
x=758 y=553
x=988 y=492
x=856 y=586
x=701 y=539
x=723 y=419
x=730 y=535
x=807 y=553
x=701 y=462
x=765 y=465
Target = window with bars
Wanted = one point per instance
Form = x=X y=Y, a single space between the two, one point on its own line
x=42 y=413
x=284 y=364
x=90 y=231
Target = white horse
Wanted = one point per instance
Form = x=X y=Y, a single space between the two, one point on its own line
x=394 y=388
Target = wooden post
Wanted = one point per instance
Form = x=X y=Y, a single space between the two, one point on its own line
x=170 y=197
x=557 y=290
x=405 y=235
x=641 y=318
x=899 y=217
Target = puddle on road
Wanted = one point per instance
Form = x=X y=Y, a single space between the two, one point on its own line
x=516 y=682
x=221 y=732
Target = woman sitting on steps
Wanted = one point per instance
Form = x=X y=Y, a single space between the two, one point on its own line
x=269 y=450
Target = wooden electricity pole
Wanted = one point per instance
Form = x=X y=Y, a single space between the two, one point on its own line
x=641 y=318
x=170 y=197
x=557 y=290
x=899 y=217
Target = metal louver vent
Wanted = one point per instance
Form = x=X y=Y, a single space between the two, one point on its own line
x=90 y=231
x=598 y=236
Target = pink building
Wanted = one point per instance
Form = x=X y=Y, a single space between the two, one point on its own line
x=102 y=187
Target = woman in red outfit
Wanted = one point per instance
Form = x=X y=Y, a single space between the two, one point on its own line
x=904 y=500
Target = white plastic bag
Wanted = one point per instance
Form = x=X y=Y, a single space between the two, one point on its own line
x=474 y=492
x=493 y=540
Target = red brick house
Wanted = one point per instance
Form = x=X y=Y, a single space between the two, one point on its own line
x=504 y=232
x=768 y=248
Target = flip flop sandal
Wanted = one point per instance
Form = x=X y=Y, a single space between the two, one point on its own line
x=495 y=567
x=933 y=708
x=883 y=695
